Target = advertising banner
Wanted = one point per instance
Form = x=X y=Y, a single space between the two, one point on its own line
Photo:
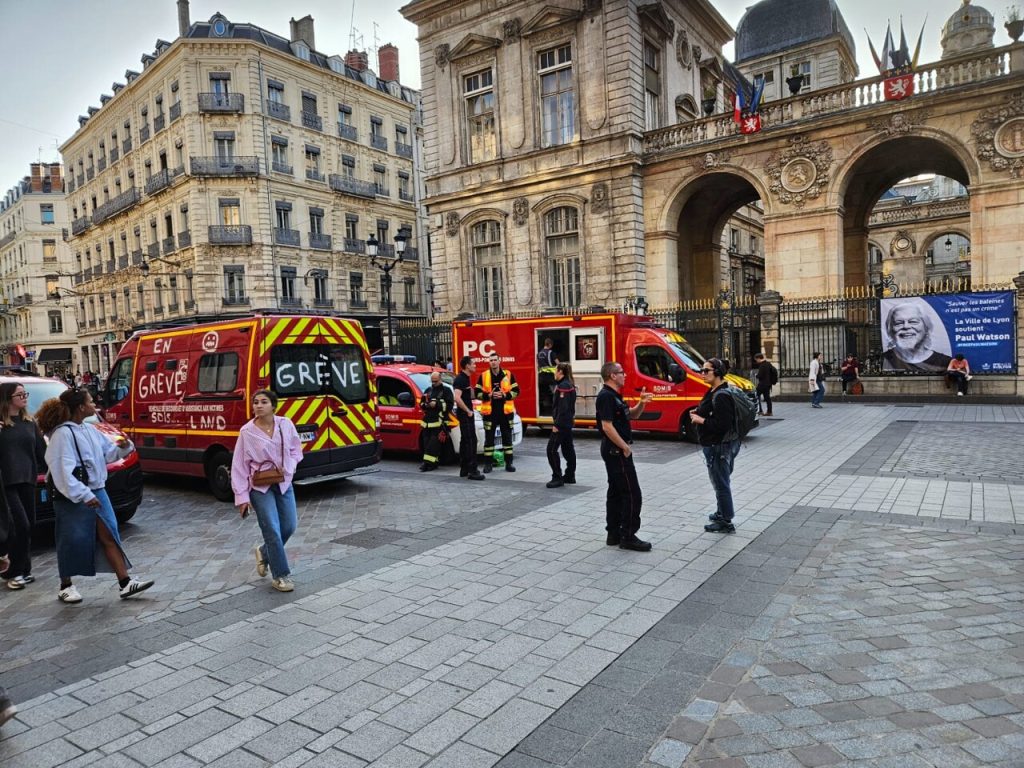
x=922 y=333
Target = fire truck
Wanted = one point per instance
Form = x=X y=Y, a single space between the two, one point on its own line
x=183 y=393
x=655 y=358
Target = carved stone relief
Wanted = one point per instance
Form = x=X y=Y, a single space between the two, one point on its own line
x=510 y=30
x=698 y=53
x=684 y=55
x=999 y=136
x=711 y=160
x=599 y=198
x=899 y=124
x=800 y=172
x=452 y=224
x=520 y=210
x=902 y=244
x=441 y=55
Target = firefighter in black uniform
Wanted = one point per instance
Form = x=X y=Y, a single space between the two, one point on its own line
x=496 y=389
x=622 y=511
x=546 y=362
x=463 y=386
x=437 y=403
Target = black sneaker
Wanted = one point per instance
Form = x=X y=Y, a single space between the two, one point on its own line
x=714 y=517
x=635 y=544
x=720 y=526
x=475 y=476
x=555 y=482
x=612 y=540
x=569 y=479
x=487 y=468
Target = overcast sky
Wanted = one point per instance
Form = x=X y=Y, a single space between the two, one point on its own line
x=62 y=54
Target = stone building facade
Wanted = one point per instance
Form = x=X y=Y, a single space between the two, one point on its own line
x=241 y=171
x=37 y=329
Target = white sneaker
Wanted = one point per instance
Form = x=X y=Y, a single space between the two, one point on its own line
x=283 y=584
x=18 y=582
x=958 y=394
x=7 y=709
x=261 y=564
x=69 y=594
x=134 y=586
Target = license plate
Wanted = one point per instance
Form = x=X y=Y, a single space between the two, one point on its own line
x=307 y=437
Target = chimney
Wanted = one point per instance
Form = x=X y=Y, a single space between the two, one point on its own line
x=357 y=60
x=183 y=22
x=37 y=177
x=303 y=30
x=387 y=62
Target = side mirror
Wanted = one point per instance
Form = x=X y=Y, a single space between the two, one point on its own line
x=405 y=400
x=675 y=373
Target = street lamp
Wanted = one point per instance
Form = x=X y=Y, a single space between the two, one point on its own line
x=948 y=244
x=725 y=301
x=144 y=266
x=385 y=265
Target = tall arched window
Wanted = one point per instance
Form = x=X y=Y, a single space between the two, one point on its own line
x=488 y=272
x=562 y=242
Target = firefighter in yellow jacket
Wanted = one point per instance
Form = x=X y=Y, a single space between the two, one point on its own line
x=496 y=389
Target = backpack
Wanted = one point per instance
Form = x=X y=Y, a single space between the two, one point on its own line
x=773 y=375
x=746 y=412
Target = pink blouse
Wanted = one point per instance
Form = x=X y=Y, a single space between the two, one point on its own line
x=255 y=450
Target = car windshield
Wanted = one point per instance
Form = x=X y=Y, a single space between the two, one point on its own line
x=693 y=359
x=41 y=391
x=422 y=380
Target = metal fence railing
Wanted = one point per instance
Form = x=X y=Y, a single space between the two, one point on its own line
x=429 y=340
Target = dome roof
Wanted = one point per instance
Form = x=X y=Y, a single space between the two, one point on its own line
x=968 y=17
x=970 y=28
x=772 y=26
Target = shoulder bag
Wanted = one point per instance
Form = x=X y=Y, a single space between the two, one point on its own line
x=274 y=475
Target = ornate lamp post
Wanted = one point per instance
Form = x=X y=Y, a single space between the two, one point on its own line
x=385 y=265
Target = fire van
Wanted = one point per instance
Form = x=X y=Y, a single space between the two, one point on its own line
x=654 y=357
x=183 y=393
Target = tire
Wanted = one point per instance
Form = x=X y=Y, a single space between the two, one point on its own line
x=688 y=430
x=218 y=475
x=124 y=515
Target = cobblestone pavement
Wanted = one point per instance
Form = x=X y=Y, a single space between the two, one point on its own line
x=854 y=619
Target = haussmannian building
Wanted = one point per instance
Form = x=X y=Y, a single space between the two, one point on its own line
x=37 y=326
x=241 y=171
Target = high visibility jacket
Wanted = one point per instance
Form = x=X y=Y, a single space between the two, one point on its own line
x=546 y=361
x=506 y=383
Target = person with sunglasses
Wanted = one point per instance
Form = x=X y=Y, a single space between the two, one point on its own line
x=715 y=418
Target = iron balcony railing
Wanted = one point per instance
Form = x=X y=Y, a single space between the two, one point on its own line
x=153 y=250
x=312 y=120
x=137 y=256
x=70 y=184
x=221 y=102
x=115 y=154
x=348 y=132
x=281 y=168
x=405 y=196
x=169 y=245
x=79 y=225
x=403 y=150
x=80 y=179
x=175 y=111
x=319 y=241
x=116 y=205
x=143 y=134
x=158 y=181
x=314 y=175
x=225 y=166
x=90 y=173
x=236 y=300
x=234 y=234
x=351 y=245
x=126 y=145
x=184 y=239
x=386 y=249
x=381 y=191
x=159 y=121
x=111 y=266
x=290 y=301
x=278 y=110
x=349 y=186
x=286 y=236
x=8 y=238
x=379 y=142
x=122 y=261
x=323 y=303
x=101 y=164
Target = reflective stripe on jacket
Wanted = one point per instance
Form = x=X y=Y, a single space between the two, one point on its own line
x=508 y=387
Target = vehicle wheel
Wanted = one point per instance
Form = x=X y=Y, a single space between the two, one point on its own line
x=218 y=475
x=124 y=515
x=688 y=430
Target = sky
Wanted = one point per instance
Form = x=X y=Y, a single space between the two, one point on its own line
x=42 y=95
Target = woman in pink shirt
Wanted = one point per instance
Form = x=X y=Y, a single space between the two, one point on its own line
x=266 y=442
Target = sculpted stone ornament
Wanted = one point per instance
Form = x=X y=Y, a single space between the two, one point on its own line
x=684 y=55
x=441 y=55
x=899 y=124
x=800 y=172
x=590 y=7
x=902 y=242
x=711 y=160
x=599 y=197
x=510 y=30
x=451 y=224
x=520 y=211
x=999 y=136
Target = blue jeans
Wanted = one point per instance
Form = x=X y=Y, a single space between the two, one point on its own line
x=275 y=512
x=819 y=394
x=719 y=460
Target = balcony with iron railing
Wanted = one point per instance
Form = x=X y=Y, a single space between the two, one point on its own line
x=153 y=250
x=8 y=238
x=115 y=154
x=312 y=120
x=143 y=134
x=357 y=303
x=225 y=166
x=80 y=179
x=159 y=122
x=70 y=184
x=349 y=132
x=78 y=277
x=116 y=205
x=286 y=236
x=314 y=174
x=291 y=301
x=175 y=111
x=236 y=301
x=101 y=164
x=137 y=257
x=323 y=303
x=90 y=173
x=234 y=234
x=319 y=241
x=352 y=245
x=184 y=239
x=158 y=181
x=126 y=145
x=278 y=110
x=169 y=245
x=350 y=186
x=379 y=142
x=277 y=167
x=122 y=261
x=79 y=225
x=221 y=102
x=404 y=196
x=411 y=253
x=111 y=266
x=403 y=150
x=379 y=190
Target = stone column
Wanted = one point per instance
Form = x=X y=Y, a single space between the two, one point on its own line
x=1019 y=282
x=769 y=302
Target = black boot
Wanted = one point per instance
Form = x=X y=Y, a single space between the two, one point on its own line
x=488 y=466
x=555 y=482
x=508 y=464
x=569 y=478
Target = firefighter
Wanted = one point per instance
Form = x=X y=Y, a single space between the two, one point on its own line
x=437 y=403
x=496 y=389
x=546 y=362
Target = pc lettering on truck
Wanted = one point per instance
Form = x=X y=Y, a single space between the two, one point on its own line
x=654 y=357
x=182 y=394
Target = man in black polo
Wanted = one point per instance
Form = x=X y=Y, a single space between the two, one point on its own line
x=622 y=511
x=463 y=386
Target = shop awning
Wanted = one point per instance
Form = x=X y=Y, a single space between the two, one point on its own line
x=55 y=355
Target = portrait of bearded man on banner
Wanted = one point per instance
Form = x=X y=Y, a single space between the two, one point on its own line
x=914 y=337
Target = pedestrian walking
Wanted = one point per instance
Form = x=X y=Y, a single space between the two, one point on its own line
x=266 y=454
x=816 y=380
x=463 y=398
x=767 y=376
x=22 y=458
x=564 y=415
x=437 y=404
x=715 y=418
x=497 y=389
x=624 y=499
x=86 y=526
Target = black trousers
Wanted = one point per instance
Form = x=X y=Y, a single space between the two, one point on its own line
x=622 y=508
x=432 y=444
x=500 y=422
x=546 y=388
x=467 y=444
x=21 y=500
x=562 y=440
x=766 y=394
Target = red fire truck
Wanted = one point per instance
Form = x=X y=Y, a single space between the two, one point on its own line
x=656 y=358
x=182 y=394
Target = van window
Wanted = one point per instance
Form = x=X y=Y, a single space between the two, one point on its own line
x=654 y=362
x=218 y=372
x=690 y=357
x=119 y=382
x=388 y=390
x=319 y=369
x=170 y=365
